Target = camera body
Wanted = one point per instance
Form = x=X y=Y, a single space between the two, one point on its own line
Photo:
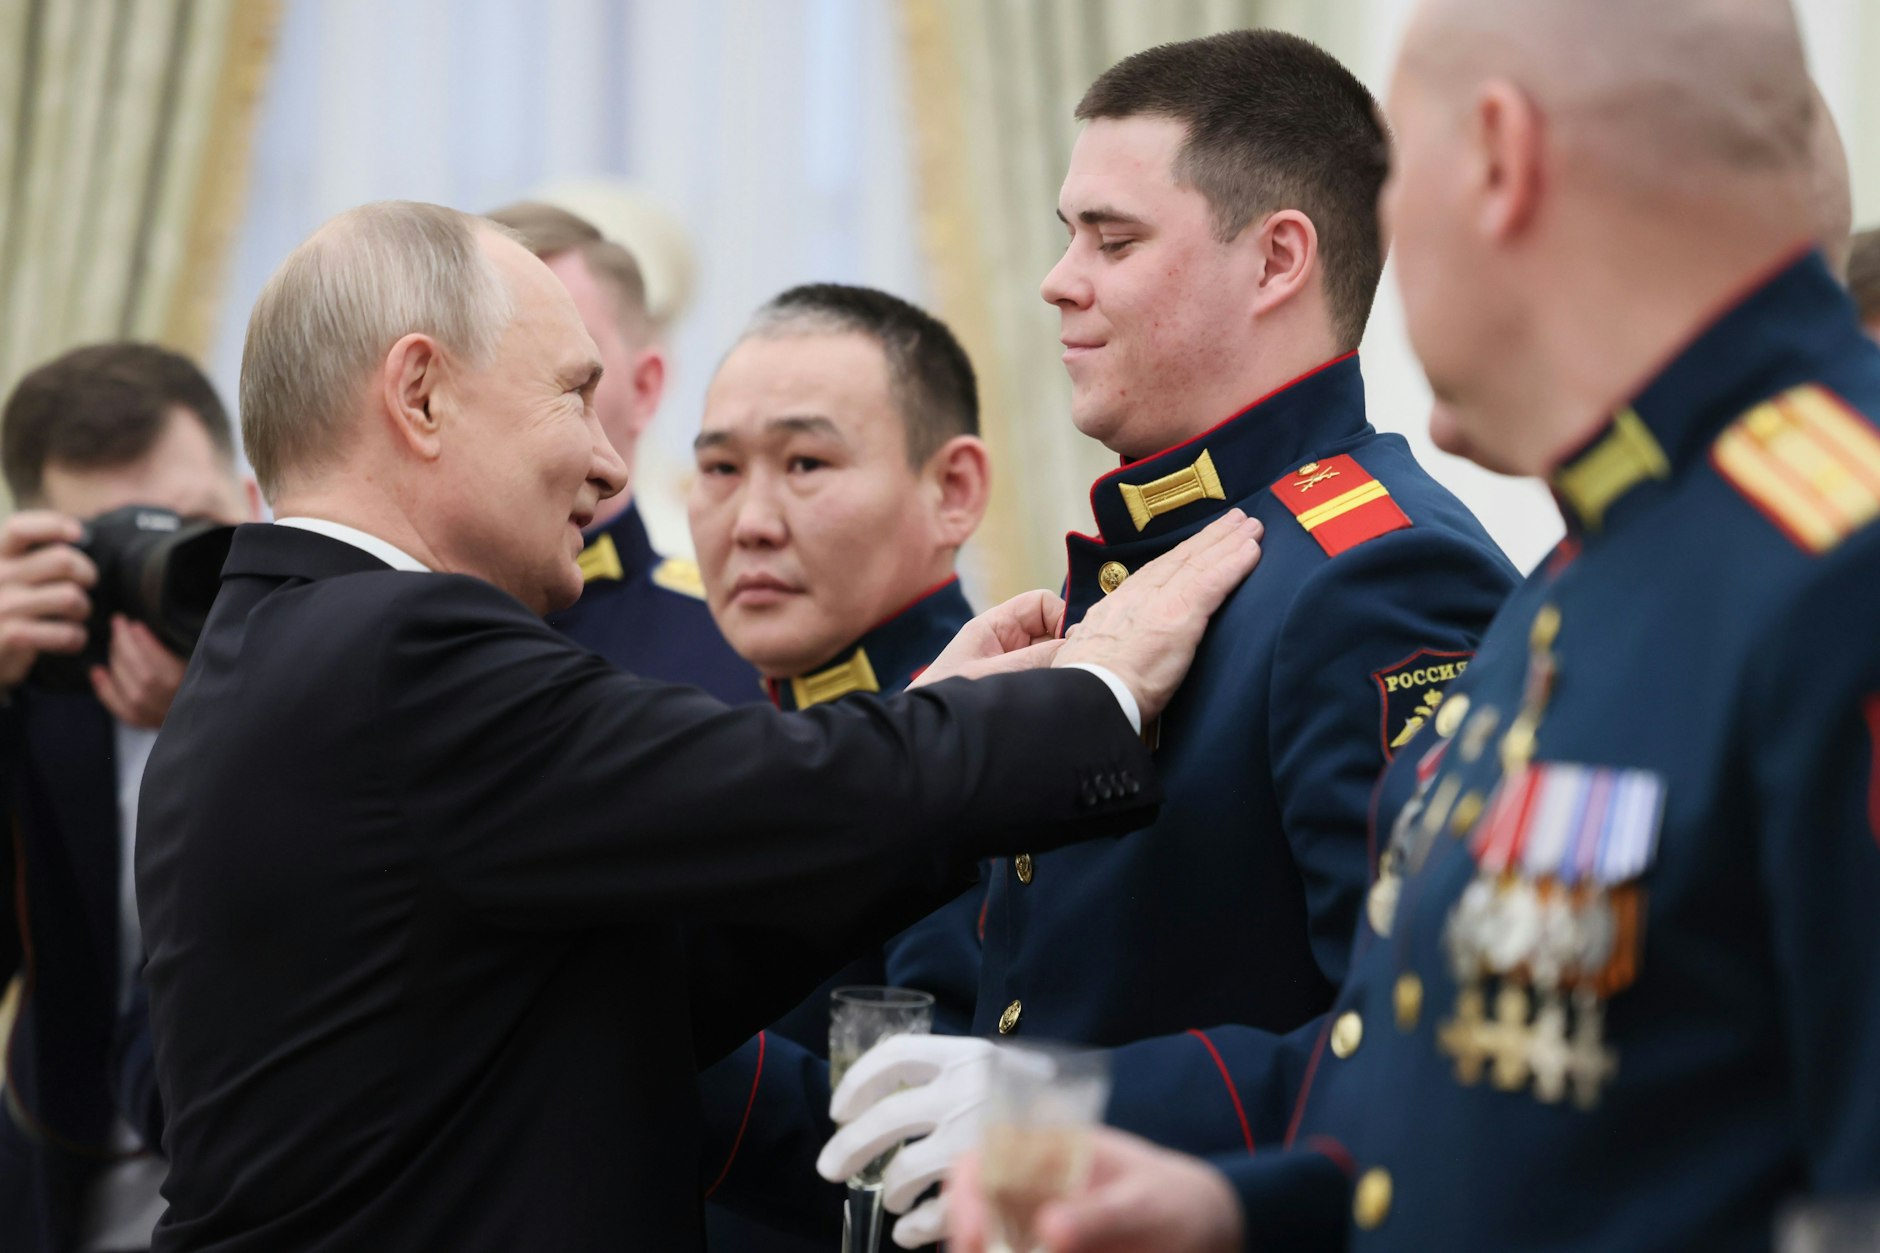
x=155 y=566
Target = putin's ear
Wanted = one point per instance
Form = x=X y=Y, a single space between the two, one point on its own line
x=960 y=471
x=1507 y=134
x=409 y=383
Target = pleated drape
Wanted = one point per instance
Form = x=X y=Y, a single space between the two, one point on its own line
x=124 y=131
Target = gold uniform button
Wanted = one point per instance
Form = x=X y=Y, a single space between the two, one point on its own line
x=1370 y=1205
x=1008 y=1021
x=1468 y=809
x=1408 y=996
x=1110 y=576
x=1347 y=1034
x=1545 y=628
x=1022 y=864
x=1450 y=713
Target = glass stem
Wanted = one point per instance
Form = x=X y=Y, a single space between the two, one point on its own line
x=862 y=1220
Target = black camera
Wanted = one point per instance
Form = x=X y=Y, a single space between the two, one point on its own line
x=155 y=566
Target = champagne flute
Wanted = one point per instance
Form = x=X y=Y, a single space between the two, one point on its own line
x=1042 y=1102
x=859 y=1018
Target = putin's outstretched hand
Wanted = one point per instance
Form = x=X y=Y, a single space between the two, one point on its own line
x=1144 y=633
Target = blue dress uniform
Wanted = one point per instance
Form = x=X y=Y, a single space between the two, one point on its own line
x=766 y=1107
x=647 y=615
x=1234 y=912
x=1618 y=983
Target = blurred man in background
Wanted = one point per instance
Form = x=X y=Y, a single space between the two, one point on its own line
x=1624 y=991
x=1222 y=254
x=99 y=428
x=839 y=471
x=643 y=612
x=1863 y=279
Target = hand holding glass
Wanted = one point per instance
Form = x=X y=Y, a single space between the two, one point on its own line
x=1043 y=1102
x=858 y=1019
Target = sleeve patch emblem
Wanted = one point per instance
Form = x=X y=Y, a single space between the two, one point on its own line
x=1411 y=693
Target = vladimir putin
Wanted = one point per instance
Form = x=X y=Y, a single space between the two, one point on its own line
x=413 y=867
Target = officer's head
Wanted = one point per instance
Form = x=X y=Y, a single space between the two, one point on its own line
x=1578 y=183
x=1221 y=212
x=610 y=294
x=839 y=471
x=415 y=372
x=118 y=424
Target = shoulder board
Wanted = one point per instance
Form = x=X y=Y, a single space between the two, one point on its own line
x=1808 y=462
x=1339 y=504
x=676 y=574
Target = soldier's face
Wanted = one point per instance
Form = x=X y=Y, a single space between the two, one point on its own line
x=624 y=402
x=1151 y=305
x=810 y=525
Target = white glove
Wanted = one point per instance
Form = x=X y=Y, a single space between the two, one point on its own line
x=906 y=1086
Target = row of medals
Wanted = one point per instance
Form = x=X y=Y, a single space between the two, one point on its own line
x=1548 y=952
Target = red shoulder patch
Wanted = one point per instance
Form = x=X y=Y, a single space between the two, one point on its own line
x=1339 y=503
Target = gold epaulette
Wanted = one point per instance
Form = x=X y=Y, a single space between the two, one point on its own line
x=1807 y=462
x=676 y=574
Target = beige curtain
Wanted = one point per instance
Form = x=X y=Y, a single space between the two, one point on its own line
x=992 y=85
x=124 y=130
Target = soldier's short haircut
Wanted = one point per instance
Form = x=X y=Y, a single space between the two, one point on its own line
x=548 y=231
x=929 y=373
x=1863 y=273
x=1274 y=122
x=100 y=407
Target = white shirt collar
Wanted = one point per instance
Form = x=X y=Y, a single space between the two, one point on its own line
x=396 y=558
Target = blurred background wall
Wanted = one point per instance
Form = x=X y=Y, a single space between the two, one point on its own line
x=914 y=145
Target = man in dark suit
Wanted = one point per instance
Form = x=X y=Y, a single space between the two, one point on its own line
x=644 y=612
x=100 y=427
x=413 y=867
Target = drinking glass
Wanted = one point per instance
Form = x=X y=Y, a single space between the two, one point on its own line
x=1830 y=1225
x=1042 y=1103
x=859 y=1018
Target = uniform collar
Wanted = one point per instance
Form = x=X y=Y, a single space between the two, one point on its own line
x=885 y=659
x=1781 y=332
x=618 y=550
x=1180 y=486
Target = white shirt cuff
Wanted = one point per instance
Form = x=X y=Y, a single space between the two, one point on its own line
x=1124 y=697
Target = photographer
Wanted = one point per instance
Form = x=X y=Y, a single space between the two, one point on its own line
x=93 y=431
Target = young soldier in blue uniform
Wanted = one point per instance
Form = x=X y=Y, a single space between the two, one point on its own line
x=1222 y=258
x=1618 y=982
x=839 y=471
x=643 y=612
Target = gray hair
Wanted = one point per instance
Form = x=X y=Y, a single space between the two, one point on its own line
x=329 y=314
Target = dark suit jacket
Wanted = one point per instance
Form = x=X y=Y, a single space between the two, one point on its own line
x=413 y=868
x=59 y=933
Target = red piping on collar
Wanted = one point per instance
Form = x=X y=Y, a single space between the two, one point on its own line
x=1736 y=296
x=942 y=585
x=1317 y=369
